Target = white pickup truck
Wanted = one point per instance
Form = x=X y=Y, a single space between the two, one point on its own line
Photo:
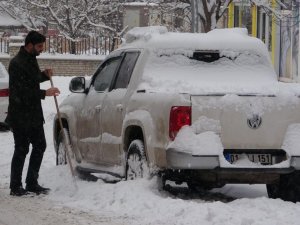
x=205 y=109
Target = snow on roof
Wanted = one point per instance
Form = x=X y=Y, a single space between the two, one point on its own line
x=8 y=21
x=158 y=38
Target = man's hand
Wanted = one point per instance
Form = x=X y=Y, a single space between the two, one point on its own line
x=52 y=91
x=48 y=72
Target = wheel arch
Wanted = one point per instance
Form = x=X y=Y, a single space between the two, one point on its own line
x=139 y=125
x=131 y=133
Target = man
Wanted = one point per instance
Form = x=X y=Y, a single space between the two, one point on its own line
x=25 y=115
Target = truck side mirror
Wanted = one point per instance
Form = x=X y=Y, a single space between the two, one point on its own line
x=77 y=85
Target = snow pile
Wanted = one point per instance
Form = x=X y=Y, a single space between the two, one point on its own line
x=206 y=143
x=202 y=138
x=291 y=141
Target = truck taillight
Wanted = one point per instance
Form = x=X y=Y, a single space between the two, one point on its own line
x=4 y=92
x=179 y=116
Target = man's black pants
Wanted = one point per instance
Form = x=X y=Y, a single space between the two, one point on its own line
x=24 y=136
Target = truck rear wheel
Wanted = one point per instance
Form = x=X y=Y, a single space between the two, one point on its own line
x=287 y=188
x=136 y=164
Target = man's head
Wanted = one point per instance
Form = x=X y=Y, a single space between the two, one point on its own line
x=34 y=43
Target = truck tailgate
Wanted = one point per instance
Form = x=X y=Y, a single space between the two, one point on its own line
x=248 y=121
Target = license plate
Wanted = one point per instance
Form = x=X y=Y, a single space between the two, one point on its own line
x=264 y=159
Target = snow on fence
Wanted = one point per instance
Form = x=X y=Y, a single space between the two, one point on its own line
x=83 y=46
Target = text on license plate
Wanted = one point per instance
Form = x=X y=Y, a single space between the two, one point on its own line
x=265 y=159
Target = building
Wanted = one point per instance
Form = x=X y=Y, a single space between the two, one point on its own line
x=140 y=14
x=281 y=35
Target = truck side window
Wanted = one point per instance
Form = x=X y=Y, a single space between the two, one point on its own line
x=106 y=74
x=126 y=69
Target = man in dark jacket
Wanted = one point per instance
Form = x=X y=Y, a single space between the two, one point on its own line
x=25 y=115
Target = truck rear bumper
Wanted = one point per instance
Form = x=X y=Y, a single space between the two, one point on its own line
x=183 y=160
x=220 y=176
x=186 y=167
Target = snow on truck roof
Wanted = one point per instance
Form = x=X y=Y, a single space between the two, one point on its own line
x=158 y=38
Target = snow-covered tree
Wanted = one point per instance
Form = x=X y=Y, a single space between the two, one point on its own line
x=22 y=12
x=74 y=18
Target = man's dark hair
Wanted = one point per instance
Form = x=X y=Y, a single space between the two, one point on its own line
x=34 y=37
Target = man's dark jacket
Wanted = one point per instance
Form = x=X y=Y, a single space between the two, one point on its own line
x=25 y=76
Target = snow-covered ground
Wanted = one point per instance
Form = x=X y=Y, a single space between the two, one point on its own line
x=129 y=202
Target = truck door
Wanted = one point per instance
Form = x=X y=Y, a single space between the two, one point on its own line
x=89 y=124
x=114 y=111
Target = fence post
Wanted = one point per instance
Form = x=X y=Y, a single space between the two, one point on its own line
x=97 y=46
x=15 y=42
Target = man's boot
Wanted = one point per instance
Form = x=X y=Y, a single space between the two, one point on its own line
x=36 y=188
x=18 y=191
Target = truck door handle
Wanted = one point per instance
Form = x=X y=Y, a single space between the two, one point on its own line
x=119 y=107
x=98 y=108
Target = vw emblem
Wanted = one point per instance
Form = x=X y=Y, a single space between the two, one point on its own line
x=254 y=122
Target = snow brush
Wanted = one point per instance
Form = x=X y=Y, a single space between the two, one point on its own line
x=66 y=139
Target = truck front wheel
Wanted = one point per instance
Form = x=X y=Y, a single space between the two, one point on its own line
x=61 y=158
x=136 y=164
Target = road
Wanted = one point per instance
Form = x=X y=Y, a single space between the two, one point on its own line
x=37 y=210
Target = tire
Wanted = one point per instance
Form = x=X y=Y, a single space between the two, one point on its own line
x=136 y=165
x=273 y=190
x=287 y=188
x=61 y=156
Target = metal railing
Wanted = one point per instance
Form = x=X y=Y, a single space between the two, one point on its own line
x=84 y=46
